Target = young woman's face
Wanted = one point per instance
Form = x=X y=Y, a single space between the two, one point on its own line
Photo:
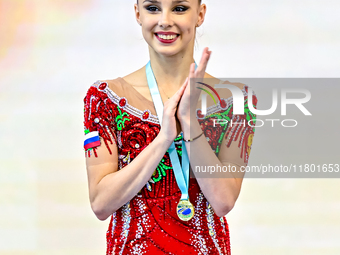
x=169 y=26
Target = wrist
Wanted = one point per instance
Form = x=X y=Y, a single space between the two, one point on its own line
x=194 y=138
x=164 y=139
x=191 y=129
x=186 y=119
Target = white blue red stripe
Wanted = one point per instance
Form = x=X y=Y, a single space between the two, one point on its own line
x=91 y=140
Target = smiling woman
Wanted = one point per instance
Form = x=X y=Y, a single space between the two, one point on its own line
x=140 y=153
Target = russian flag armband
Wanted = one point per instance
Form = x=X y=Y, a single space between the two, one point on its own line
x=91 y=140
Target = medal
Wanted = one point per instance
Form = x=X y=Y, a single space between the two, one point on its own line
x=185 y=210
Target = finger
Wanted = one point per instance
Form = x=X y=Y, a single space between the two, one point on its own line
x=205 y=53
x=191 y=75
x=204 y=61
x=185 y=84
x=205 y=57
x=209 y=54
x=192 y=70
x=179 y=92
x=181 y=88
x=174 y=100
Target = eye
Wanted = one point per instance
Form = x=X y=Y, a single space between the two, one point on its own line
x=152 y=8
x=180 y=9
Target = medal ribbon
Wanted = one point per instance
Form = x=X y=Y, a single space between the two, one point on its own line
x=181 y=173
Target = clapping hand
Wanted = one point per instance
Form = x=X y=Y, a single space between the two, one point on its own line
x=189 y=99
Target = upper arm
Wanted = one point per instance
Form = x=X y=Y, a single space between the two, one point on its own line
x=99 y=116
x=237 y=140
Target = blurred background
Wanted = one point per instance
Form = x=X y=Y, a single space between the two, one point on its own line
x=51 y=51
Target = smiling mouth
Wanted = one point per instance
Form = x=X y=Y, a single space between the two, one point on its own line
x=167 y=37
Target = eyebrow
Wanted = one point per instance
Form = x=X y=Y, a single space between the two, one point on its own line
x=155 y=1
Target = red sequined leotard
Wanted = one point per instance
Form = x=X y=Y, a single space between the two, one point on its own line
x=148 y=223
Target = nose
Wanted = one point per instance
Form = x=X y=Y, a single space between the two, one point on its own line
x=165 y=19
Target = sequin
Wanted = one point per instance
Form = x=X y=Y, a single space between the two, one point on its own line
x=148 y=224
x=199 y=114
x=102 y=86
x=122 y=102
x=146 y=115
x=223 y=104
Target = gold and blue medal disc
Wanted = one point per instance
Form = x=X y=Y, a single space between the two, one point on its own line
x=185 y=210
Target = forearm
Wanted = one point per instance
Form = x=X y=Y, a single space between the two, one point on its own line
x=220 y=192
x=116 y=189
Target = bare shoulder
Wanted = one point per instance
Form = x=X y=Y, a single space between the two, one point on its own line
x=137 y=78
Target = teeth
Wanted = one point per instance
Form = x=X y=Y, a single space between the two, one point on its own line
x=167 y=37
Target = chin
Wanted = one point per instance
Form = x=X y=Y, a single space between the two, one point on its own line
x=168 y=51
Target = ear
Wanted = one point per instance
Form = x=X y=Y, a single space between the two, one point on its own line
x=201 y=15
x=137 y=13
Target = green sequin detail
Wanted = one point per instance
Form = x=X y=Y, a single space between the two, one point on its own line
x=160 y=172
x=179 y=146
x=120 y=119
x=224 y=116
x=250 y=115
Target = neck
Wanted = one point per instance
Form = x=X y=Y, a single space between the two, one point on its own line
x=171 y=71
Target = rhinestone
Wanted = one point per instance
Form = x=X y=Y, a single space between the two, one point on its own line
x=223 y=103
x=199 y=114
x=96 y=120
x=146 y=115
x=102 y=86
x=122 y=102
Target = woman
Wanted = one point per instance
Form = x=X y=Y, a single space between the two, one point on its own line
x=130 y=164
